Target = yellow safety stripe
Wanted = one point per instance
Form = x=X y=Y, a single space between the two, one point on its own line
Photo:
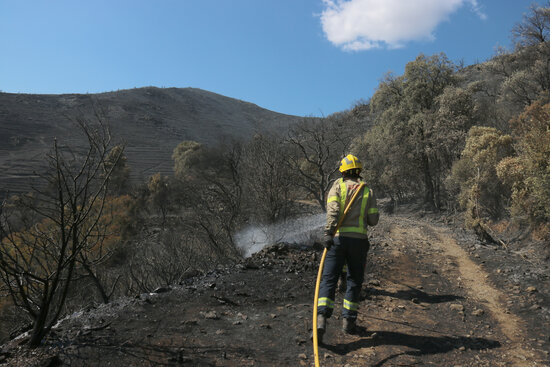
x=324 y=301
x=361 y=228
x=366 y=193
x=332 y=198
x=352 y=306
x=343 y=195
x=373 y=211
x=345 y=268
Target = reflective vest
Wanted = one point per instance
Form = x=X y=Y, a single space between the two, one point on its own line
x=361 y=228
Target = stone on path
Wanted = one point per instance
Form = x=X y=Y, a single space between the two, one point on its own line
x=457 y=307
x=477 y=312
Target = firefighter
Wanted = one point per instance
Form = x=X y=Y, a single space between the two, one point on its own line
x=348 y=246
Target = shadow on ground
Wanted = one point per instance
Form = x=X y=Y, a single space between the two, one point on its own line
x=421 y=345
x=412 y=294
x=158 y=352
x=146 y=353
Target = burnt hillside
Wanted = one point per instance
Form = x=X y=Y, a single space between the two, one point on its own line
x=151 y=121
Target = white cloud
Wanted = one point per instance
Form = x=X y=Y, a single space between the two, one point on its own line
x=477 y=9
x=356 y=25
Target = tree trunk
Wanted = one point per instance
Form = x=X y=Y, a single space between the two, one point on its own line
x=428 y=184
x=38 y=330
x=97 y=283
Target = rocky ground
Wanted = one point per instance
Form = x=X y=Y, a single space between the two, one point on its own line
x=433 y=296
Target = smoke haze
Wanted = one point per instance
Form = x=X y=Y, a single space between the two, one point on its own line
x=302 y=230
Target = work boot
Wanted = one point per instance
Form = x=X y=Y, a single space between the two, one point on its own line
x=348 y=326
x=321 y=327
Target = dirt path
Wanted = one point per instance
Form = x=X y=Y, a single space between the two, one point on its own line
x=474 y=280
x=429 y=303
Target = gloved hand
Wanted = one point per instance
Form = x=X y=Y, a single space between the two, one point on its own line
x=328 y=241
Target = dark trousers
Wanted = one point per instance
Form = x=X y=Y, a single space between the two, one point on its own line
x=350 y=251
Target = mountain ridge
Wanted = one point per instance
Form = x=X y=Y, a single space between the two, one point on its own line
x=150 y=120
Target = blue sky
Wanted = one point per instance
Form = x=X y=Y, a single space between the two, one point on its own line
x=300 y=57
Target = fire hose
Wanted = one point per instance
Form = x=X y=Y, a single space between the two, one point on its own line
x=320 y=273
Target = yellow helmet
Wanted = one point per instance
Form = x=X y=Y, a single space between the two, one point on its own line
x=350 y=162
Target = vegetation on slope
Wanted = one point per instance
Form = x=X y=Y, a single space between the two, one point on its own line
x=475 y=138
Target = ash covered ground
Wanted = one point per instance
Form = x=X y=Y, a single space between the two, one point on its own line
x=433 y=295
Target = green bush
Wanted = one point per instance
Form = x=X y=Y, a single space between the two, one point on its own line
x=474 y=178
x=528 y=172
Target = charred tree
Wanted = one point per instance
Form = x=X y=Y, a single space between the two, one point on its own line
x=45 y=234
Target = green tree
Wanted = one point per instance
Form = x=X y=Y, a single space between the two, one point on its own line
x=527 y=173
x=534 y=28
x=421 y=121
x=474 y=178
x=187 y=157
x=517 y=79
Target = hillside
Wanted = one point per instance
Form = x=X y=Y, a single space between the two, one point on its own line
x=433 y=295
x=151 y=121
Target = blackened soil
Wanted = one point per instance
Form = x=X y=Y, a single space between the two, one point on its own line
x=432 y=296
